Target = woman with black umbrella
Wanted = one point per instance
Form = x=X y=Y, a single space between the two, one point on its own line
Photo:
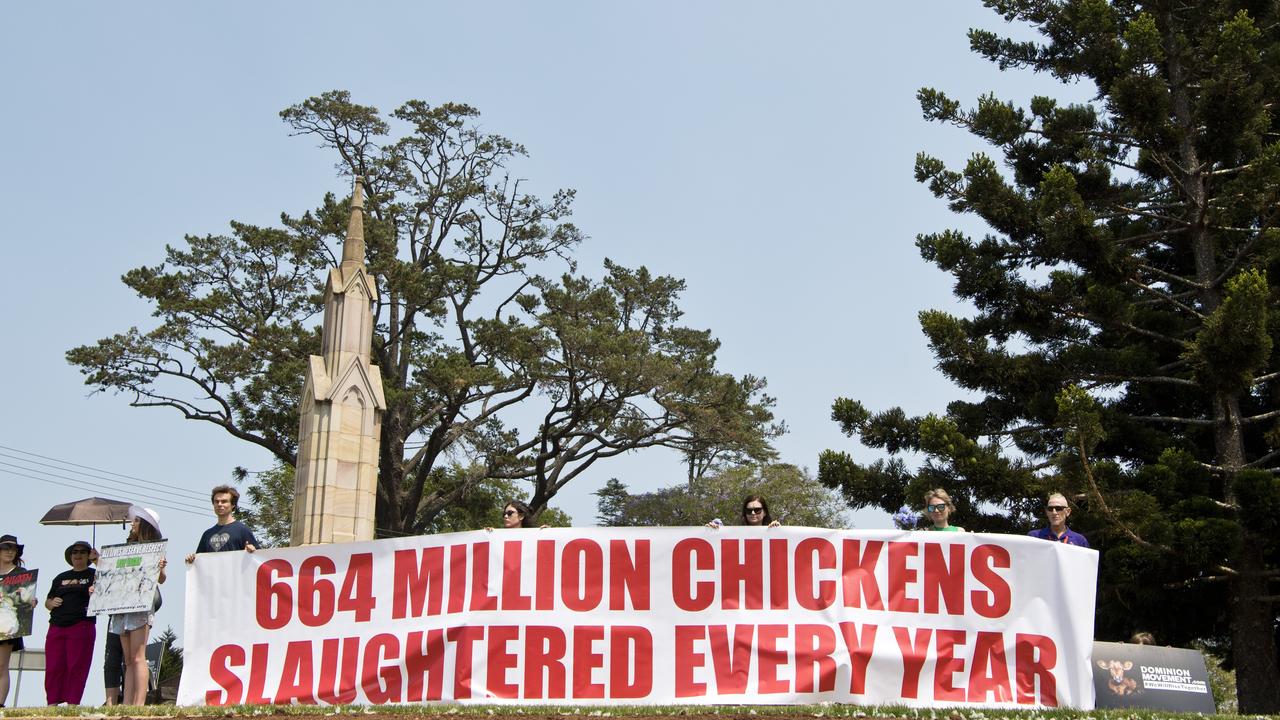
x=68 y=648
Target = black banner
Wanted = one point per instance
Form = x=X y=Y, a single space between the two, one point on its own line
x=1149 y=676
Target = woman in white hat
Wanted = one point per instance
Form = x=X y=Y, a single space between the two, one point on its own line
x=134 y=627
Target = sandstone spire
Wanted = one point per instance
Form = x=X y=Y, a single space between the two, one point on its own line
x=336 y=477
x=353 y=247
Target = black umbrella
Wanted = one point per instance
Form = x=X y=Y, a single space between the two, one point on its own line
x=90 y=511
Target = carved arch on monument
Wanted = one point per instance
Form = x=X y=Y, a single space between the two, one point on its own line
x=353 y=399
x=364 y=377
x=359 y=281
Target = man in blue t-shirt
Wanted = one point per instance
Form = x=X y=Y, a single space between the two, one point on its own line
x=1057 y=511
x=229 y=533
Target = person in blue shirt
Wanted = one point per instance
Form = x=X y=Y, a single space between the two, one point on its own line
x=1056 y=510
x=229 y=534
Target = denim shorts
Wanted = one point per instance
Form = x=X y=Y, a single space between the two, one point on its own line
x=128 y=622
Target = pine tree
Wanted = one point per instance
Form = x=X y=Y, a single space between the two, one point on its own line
x=170 y=668
x=1120 y=348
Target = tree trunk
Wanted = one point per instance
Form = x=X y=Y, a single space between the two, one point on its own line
x=1253 y=645
x=387 y=512
x=1252 y=635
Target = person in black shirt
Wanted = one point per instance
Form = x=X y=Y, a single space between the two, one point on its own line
x=229 y=533
x=68 y=648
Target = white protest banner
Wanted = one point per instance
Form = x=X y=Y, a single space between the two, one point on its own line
x=646 y=616
x=127 y=578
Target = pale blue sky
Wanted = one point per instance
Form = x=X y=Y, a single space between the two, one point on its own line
x=761 y=151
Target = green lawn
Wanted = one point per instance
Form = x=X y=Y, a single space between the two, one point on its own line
x=737 y=711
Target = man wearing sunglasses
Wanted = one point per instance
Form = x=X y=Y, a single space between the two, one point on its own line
x=1057 y=511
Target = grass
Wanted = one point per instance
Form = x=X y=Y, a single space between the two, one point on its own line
x=620 y=711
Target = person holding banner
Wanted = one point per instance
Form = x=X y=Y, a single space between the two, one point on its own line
x=937 y=503
x=133 y=627
x=228 y=533
x=1057 y=511
x=517 y=514
x=68 y=647
x=10 y=564
x=755 y=513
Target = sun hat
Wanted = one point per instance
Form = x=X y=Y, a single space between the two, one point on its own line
x=78 y=544
x=147 y=515
x=13 y=541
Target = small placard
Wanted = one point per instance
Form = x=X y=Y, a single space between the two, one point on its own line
x=127 y=579
x=17 y=601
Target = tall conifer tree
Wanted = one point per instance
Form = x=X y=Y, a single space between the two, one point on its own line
x=1120 y=347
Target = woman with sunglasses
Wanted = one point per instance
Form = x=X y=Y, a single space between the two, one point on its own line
x=755 y=513
x=517 y=514
x=1056 y=510
x=68 y=647
x=938 y=507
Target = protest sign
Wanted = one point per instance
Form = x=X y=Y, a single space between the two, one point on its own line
x=646 y=616
x=17 y=603
x=127 y=579
x=1148 y=676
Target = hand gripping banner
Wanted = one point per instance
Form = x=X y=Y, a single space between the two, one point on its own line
x=647 y=616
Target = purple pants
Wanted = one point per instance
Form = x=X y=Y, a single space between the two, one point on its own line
x=67 y=652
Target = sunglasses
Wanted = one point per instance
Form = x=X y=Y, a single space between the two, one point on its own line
x=754 y=510
x=508 y=513
x=937 y=507
x=1056 y=508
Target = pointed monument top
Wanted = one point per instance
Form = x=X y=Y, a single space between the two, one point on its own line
x=353 y=248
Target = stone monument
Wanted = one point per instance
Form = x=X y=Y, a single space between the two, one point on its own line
x=336 y=478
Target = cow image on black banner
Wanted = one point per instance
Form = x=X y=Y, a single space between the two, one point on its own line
x=1119 y=680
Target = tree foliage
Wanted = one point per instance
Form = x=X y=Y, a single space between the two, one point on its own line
x=170 y=668
x=1120 y=346
x=496 y=355
x=795 y=497
x=267 y=505
x=482 y=505
x=268 y=499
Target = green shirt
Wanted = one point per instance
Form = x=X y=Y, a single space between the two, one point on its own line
x=949 y=528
